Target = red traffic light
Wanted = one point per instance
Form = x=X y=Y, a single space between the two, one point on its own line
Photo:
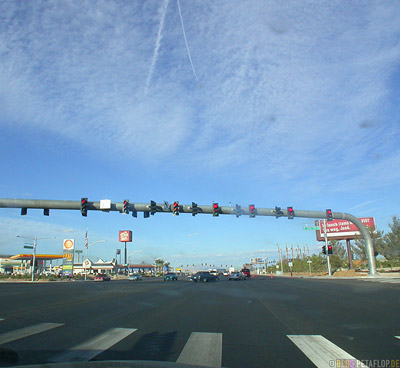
x=215 y=205
x=175 y=204
x=252 y=207
x=84 y=200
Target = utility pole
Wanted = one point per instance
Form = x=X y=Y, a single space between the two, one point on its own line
x=291 y=268
x=280 y=257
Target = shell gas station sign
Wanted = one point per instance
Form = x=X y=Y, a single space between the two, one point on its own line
x=68 y=256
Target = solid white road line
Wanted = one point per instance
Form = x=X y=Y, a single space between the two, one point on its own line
x=93 y=347
x=321 y=351
x=1 y=319
x=27 y=331
x=202 y=348
x=397 y=337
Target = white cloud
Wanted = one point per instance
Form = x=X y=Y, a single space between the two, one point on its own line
x=278 y=82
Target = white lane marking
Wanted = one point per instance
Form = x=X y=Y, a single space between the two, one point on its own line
x=1 y=319
x=27 y=331
x=90 y=348
x=397 y=337
x=202 y=348
x=321 y=351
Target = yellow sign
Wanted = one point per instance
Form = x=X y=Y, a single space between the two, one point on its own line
x=68 y=256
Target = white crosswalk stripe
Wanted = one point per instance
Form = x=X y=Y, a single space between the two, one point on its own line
x=321 y=351
x=93 y=347
x=27 y=331
x=202 y=348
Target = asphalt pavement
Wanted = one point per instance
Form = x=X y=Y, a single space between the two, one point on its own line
x=262 y=322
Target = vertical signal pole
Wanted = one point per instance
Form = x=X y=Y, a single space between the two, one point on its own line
x=326 y=245
x=280 y=257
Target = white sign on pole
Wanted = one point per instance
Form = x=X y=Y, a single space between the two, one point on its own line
x=105 y=204
x=290 y=264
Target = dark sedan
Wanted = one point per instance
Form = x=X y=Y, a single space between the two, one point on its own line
x=204 y=277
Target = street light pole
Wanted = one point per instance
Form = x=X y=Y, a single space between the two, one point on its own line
x=35 y=239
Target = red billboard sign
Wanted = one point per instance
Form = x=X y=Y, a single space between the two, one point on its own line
x=125 y=236
x=341 y=229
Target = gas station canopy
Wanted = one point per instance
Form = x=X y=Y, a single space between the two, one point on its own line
x=39 y=257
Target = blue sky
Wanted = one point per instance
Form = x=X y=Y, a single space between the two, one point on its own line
x=272 y=103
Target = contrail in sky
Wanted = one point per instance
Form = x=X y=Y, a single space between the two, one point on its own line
x=158 y=43
x=184 y=36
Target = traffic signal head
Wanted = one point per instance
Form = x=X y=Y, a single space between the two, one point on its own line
x=252 y=211
x=330 y=250
x=24 y=211
x=153 y=207
x=195 y=209
x=324 y=249
x=146 y=214
x=238 y=210
x=215 y=209
x=126 y=207
x=175 y=210
x=46 y=212
x=84 y=206
x=278 y=212
x=329 y=214
x=290 y=213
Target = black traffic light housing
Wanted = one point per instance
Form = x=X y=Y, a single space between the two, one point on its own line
x=278 y=212
x=329 y=214
x=290 y=213
x=153 y=207
x=126 y=206
x=146 y=214
x=195 y=209
x=324 y=249
x=238 y=210
x=84 y=206
x=330 y=249
x=252 y=210
x=175 y=209
x=24 y=211
x=215 y=210
x=46 y=212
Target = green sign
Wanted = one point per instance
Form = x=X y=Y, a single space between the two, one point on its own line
x=312 y=228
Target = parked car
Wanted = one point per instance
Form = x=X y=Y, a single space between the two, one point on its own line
x=102 y=277
x=204 y=277
x=170 y=277
x=246 y=272
x=226 y=273
x=237 y=276
x=135 y=277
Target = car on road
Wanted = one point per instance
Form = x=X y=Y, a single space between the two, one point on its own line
x=102 y=277
x=246 y=272
x=204 y=276
x=170 y=277
x=235 y=276
x=135 y=277
x=226 y=273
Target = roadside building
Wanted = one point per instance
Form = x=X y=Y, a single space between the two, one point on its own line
x=7 y=264
x=24 y=262
x=92 y=268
